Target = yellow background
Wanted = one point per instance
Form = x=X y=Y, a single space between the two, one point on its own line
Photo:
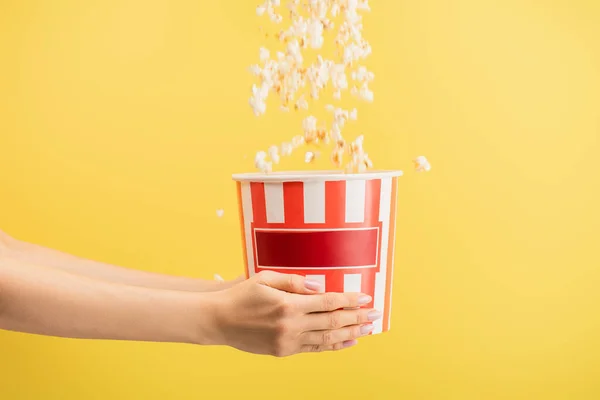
x=121 y=123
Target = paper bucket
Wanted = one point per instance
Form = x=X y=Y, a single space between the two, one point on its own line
x=332 y=227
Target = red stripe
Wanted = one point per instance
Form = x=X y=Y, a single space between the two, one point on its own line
x=293 y=203
x=372 y=205
x=314 y=249
x=372 y=196
x=334 y=281
x=259 y=205
x=254 y=257
x=335 y=204
x=367 y=285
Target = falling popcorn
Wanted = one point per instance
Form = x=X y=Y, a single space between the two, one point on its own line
x=274 y=154
x=288 y=77
x=309 y=157
x=264 y=54
x=301 y=104
x=260 y=162
x=286 y=149
x=220 y=212
x=421 y=164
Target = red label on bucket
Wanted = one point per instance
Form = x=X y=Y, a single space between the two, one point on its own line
x=298 y=248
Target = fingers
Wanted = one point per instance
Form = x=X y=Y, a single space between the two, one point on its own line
x=333 y=336
x=334 y=301
x=315 y=348
x=339 y=319
x=289 y=282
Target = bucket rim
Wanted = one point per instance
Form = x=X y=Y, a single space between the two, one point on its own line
x=307 y=176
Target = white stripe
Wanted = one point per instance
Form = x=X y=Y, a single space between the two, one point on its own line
x=248 y=218
x=317 y=278
x=379 y=301
x=355 y=200
x=392 y=249
x=352 y=283
x=274 y=202
x=314 y=202
x=380 y=277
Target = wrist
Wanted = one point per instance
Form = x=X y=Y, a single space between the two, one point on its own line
x=208 y=330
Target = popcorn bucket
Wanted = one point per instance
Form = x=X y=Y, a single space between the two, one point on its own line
x=332 y=227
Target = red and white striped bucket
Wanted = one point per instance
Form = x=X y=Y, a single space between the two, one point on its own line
x=332 y=227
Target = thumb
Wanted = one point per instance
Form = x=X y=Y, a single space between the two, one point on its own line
x=289 y=283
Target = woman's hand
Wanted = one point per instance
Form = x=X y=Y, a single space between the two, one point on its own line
x=281 y=315
x=269 y=313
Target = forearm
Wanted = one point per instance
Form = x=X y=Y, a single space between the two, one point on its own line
x=35 y=254
x=40 y=300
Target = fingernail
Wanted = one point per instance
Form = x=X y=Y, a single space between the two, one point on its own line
x=366 y=329
x=312 y=285
x=362 y=300
x=374 y=315
x=349 y=343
